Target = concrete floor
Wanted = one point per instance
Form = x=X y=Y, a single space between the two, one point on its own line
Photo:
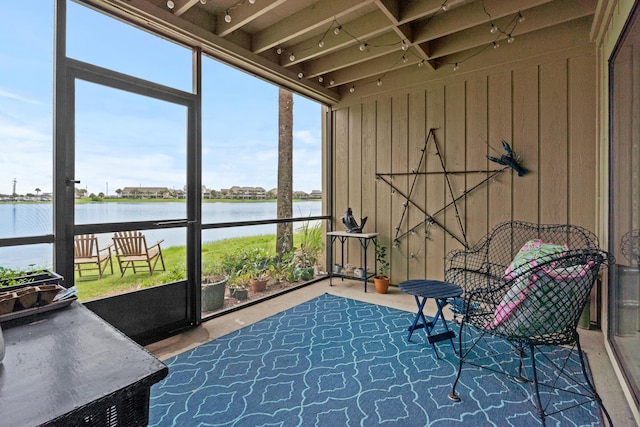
x=592 y=341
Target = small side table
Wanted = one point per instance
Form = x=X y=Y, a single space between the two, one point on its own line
x=440 y=291
x=365 y=240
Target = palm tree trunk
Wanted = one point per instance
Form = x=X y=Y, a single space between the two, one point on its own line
x=284 y=237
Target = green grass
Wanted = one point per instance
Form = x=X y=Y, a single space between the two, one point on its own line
x=174 y=258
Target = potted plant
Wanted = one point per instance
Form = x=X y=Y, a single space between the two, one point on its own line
x=304 y=260
x=212 y=293
x=238 y=290
x=13 y=279
x=381 y=279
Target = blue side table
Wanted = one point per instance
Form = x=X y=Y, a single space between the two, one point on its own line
x=440 y=291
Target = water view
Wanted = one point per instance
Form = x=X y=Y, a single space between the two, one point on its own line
x=32 y=219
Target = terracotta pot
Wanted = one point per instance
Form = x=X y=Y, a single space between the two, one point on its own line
x=258 y=285
x=382 y=284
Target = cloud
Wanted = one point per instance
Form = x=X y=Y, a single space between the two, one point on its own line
x=12 y=96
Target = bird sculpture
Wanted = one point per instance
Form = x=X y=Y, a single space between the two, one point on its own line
x=350 y=223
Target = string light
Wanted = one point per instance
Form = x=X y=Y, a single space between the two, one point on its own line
x=279 y=51
x=336 y=31
x=300 y=75
x=320 y=79
x=506 y=33
x=170 y=4
x=332 y=82
x=292 y=57
x=227 y=17
x=363 y=47
x=379 y=82
x=404 y=45
x=352 y=89
x=321 y=44
x=203 y=1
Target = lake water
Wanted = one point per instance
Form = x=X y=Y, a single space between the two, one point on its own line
x=25 y=219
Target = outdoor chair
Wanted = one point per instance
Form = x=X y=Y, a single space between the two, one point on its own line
x=525 y=286
x=89 y=257
x=132 y=252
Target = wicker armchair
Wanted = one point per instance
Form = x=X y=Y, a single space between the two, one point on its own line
x=528 y=284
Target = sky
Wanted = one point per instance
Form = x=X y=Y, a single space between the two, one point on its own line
x=127 y=140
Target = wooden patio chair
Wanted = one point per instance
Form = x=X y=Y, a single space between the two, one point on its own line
x=132 y=252
x=89 y=257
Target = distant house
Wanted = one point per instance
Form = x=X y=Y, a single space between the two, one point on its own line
x=247 y=193
x=145 y=193
x=315 y=195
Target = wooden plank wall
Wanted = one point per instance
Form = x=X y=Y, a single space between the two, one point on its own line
x=546 y=111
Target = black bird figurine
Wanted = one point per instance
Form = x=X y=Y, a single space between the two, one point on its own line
x=350 y=223
x=510 y=159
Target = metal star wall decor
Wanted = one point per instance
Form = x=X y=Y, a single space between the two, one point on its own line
x=430 y=219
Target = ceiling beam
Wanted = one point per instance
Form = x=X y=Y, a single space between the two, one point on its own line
x=364 y=28
x=246 y=13
x=372 y=70
x=344 y=58
x=471 y=15
x=538 y=18
x=182 y=6
x=320 y=15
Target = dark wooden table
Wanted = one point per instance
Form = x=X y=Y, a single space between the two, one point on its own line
x=69 y=367
x=440 y=291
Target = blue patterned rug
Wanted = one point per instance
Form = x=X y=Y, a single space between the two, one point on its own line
x=338 y=362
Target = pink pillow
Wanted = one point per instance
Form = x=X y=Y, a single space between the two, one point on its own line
x=527 y=257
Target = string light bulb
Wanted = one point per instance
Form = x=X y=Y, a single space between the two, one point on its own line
x=456 y=67
x=520 y=17
x=300 y=75
x=352 y=89
x=379 y=83
x=252 y=1
x=332 y=82
x=203 y=1
x=227 y=17
x=336 y=30
x=292 y=57
x=496 y=45
x=404 y=45
x=493 y=29
x=321 y=44
x=511 y=39
x=170 y=4
x=363 y=47
x=444 y=6
x=279 y=51
x=421 y=63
